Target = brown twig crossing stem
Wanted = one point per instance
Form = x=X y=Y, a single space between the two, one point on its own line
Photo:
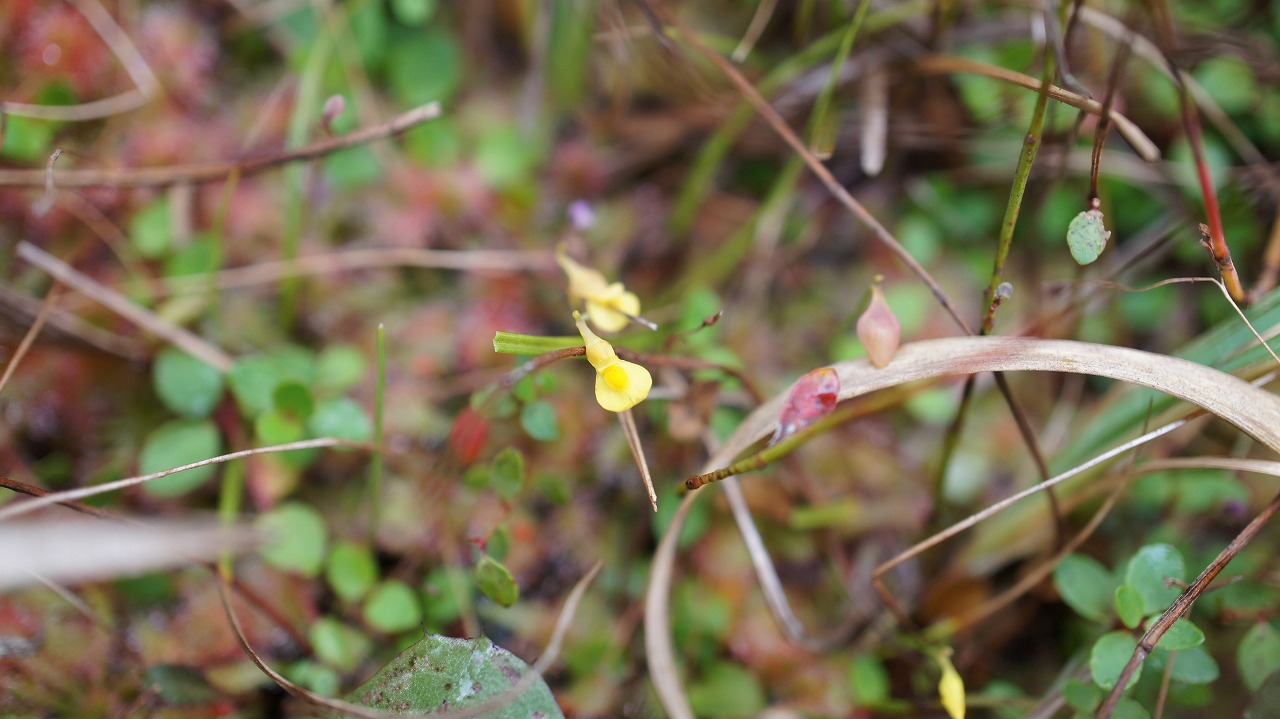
x=214 y=171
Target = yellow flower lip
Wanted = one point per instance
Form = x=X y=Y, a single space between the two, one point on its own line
x=620 y=385
x=609 y=305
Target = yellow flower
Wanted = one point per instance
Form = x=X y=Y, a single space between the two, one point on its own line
x=609 y=305
x=951 y=686
x=620 y=385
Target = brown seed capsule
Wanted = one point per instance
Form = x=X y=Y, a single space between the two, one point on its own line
x=878 y=329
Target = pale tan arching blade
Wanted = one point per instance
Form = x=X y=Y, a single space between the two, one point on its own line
x=1255 y=411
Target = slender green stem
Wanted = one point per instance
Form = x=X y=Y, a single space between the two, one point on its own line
x=229 y=497
x=511 y=343
x=822 y=128
x=375 y=467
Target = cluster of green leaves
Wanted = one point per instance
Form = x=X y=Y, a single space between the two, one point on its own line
x=286 y=395
x=1119 y=605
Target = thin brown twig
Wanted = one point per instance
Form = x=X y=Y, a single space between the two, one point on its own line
x=824 y=175
x=185 y=340
x=30 y=337
x=15 y=510
x=198 y=173
x=1141 y=144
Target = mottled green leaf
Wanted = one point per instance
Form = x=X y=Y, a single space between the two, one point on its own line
x=1150 y=572
x=443 y=673
x=1087 y=236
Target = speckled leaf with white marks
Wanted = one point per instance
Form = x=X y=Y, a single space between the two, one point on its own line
x=1087 y=236
x=441 y=674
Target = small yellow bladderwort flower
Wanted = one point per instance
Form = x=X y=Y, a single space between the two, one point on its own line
x=609 y=305
x=620 y=385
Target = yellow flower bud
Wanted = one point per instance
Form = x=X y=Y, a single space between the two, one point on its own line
x=620 y=385
x=609 y=305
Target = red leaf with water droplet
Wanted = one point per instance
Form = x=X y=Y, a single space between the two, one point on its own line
x=812 y=397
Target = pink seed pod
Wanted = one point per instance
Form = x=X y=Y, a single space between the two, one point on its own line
x=878 y=329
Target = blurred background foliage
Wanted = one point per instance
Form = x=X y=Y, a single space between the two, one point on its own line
x=497 y=499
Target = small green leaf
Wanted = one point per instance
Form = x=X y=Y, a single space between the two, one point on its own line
x=425 y=68
x=495 y=580
x=1085 y=585
x=1259 y=654
x=504 y=158
x=507 y=475
x=254 y=379
x=316 y=677
x=727 y=691
x=1108 y=658
x=149 y=229
x=295 y=538
x=337 y=644
x=276 y=427
x=1128 y=708
x=443 y=593
x=339 y=368
x=1148 y=573
x=174 y=444
x=1129 y=605
x=392 y=607
x=1181 y=636
x=413 y=12
x=293 y=398
x=1194 y=666
x=186 y=385
x=341 y=417
x=868 y=680
x=440 y=674
x=538 y=418
x=351 y=570
x=499 y=544
x=1082 y=696
x=1087 y=236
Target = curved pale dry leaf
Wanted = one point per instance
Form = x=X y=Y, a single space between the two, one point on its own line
x=1255 y=411
x=70 y=551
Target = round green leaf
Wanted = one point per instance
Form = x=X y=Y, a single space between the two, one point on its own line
x=1181 y=636
x=1082 y=696
x=351 y=570
x=149 y=229
x=1128 y=708
x=295 y=538
x=1085 y=585
x=293 y=398
x=413 y=12
x=392 y=607
x=508 y=473
x=174 y=444
x=1109 y=655
x=184 y=384
x=1259 y=654
x=538 y=418
x=337 y=644
x=254 y=379
x=443 y=673
x=1129 y=605
x=316 y=677
x=340 y=417
x=1194 y=666
x=1148 y=571
x=276 y=427
x=339 y=368
x=495 y=580
x=1087 y=236
x=424 y=68
x=728 y=691
x=868 y=680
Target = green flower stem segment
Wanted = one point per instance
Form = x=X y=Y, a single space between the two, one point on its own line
x=375 y=467
x=512 y=343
